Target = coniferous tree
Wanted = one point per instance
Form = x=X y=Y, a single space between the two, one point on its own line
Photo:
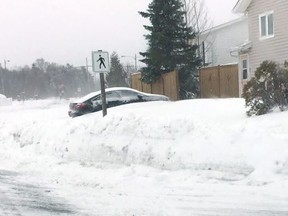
x=116 y=77
x=169 y=45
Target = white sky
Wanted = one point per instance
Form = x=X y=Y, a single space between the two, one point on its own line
x=66 y=31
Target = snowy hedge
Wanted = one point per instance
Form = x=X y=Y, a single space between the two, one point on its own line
x=268 y=89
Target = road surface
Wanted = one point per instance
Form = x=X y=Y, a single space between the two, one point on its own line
x=19 y=197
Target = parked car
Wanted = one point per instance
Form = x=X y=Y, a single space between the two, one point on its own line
x=114 y=97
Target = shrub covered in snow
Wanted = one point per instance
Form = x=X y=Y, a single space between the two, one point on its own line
x=268 y=89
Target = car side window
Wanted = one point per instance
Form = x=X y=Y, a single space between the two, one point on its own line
x=129 y=95
x=111 y=96
x=96 y=100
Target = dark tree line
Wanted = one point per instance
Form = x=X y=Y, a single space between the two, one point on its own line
x=44 y=79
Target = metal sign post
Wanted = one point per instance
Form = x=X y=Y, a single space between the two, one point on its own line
x=100 y=64
x=103 y=95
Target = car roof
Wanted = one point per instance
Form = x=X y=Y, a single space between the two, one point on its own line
x=93 y=94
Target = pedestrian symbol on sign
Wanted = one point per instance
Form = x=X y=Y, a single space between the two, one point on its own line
x=102 y=61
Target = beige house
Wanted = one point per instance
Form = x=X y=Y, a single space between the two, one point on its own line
x=268 y=34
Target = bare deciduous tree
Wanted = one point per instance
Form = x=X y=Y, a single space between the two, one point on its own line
x=197 y=17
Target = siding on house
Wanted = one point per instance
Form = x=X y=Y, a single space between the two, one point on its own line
x=275 y=48
x=220 y=39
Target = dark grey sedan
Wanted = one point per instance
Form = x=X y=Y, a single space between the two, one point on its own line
x=114 y=97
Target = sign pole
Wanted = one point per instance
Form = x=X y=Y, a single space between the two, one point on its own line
x=103 y=95
x=100 y=64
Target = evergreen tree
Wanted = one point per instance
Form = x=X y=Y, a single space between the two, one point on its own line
x=116 y=77
x=169 y=45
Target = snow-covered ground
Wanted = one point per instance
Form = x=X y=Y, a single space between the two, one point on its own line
x=194 y=157
x=4 y=101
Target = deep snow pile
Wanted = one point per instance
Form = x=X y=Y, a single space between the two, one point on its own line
x=210 y=137
x=4 y=101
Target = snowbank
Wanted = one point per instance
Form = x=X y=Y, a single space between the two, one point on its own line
x=213 y=138
x=194 y=157
x=4 y=101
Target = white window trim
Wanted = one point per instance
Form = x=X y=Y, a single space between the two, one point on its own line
x=260 y=29
x=242 y=58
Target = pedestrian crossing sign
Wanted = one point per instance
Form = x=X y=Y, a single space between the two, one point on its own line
x=100 y=61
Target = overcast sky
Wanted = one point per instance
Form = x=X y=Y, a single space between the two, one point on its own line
x=66 y=31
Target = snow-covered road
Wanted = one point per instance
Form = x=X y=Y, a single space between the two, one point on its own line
x=19 y=197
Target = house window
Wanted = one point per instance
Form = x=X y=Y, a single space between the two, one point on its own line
x=244 y=69
x=266 y=22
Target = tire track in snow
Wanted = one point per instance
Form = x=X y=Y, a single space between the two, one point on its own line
x=20 y=198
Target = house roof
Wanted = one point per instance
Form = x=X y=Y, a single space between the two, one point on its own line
x=224 y=25
x=241 y=6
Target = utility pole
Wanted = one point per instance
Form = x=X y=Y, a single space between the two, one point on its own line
x=2 y=80
x=87 y=64
x=5 y=61
x=2 y=75
x=135 y=60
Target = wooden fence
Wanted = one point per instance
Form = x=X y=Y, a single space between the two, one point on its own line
x=220 y=81
x=167 y=84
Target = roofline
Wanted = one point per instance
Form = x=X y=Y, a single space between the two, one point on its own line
x=241 y=6
x=244 y=47
x=223 y=25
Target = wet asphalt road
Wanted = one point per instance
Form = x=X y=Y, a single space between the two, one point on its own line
x=18 y=198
